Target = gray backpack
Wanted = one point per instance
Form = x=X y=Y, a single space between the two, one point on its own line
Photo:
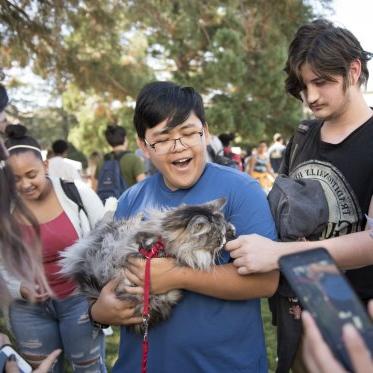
x=299 y=206
x=300 y=210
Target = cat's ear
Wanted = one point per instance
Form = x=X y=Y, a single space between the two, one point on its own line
x=218 y=204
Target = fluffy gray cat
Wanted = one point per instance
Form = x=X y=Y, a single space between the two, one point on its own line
x=192 y=234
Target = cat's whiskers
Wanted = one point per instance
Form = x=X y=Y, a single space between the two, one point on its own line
x=218 y=255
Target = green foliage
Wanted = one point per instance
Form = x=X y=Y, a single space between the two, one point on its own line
x=97 y=52
x=234 y=54
x=48 y=125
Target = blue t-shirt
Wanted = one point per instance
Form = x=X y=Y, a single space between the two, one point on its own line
x=203 y=334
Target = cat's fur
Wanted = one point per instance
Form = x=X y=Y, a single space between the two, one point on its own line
x=193 y=235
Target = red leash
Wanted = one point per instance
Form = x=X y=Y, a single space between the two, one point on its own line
x=148 y=254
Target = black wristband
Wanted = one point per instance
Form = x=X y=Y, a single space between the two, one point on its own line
x=95 y=323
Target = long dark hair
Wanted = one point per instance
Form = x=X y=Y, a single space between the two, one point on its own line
x=19 y=259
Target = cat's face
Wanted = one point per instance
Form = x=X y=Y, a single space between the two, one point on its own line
x=199 y=227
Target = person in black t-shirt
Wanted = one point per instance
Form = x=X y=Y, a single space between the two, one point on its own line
x=326 y=68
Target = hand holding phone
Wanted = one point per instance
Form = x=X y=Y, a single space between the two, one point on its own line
x=318 y=356
x=23 y=365
x=324 y=291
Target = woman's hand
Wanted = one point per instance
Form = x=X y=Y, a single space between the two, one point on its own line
x=33 y=293
x=319 y=358
x=4 y=339
x=316 y=353
x=48 y=362
x=110 y=310
x=253 y=253
x=12 y=367
x=165 y=275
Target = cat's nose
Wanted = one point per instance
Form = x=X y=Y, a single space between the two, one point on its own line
x=231 y=233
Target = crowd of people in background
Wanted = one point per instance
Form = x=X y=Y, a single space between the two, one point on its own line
x=261 y=162
x=48 y=203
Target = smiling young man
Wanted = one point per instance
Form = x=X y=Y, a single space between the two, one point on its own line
x=217 y=326
x=326 y=68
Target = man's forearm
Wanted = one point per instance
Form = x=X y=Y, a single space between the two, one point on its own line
x=223 y=282
x=349 y=251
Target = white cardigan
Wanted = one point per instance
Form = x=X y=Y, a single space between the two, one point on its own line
x=82 y=223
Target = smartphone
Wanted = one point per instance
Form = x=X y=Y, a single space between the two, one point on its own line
x=324 y=291
x=23 y=365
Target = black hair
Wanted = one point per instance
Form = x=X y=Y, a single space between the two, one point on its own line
x=17 y=135
x=226 y=138
x=59 y=147
x=329 y=50
x=159 y=101
x=115 y=135
x=4 y=99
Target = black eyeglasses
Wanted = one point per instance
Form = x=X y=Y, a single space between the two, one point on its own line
x=167 y=146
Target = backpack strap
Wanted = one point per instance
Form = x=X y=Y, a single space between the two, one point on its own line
x=299 y=139
x=71 y=191
x=211 y=152
x=118 y=157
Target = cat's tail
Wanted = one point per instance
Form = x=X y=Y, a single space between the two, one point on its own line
x=73 y=257
x=75 y=265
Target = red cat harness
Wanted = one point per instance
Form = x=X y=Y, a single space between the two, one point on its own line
x=156 y=248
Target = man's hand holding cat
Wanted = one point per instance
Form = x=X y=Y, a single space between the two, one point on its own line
x=253 y=253
x=110 y=310
x=165 y=274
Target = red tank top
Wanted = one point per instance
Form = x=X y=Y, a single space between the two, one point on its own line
x=56 y=235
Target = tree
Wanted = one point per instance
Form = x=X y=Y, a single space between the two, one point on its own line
x=233 y=52
x=84 y=42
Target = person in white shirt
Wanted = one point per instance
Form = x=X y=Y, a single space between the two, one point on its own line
x=59 y=166
x=216 y=147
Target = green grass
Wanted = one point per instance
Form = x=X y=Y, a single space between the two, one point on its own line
x=112 y=346
x=270 y=336
x=112 y=342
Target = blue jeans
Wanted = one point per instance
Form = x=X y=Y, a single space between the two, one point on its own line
x=42 y=327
